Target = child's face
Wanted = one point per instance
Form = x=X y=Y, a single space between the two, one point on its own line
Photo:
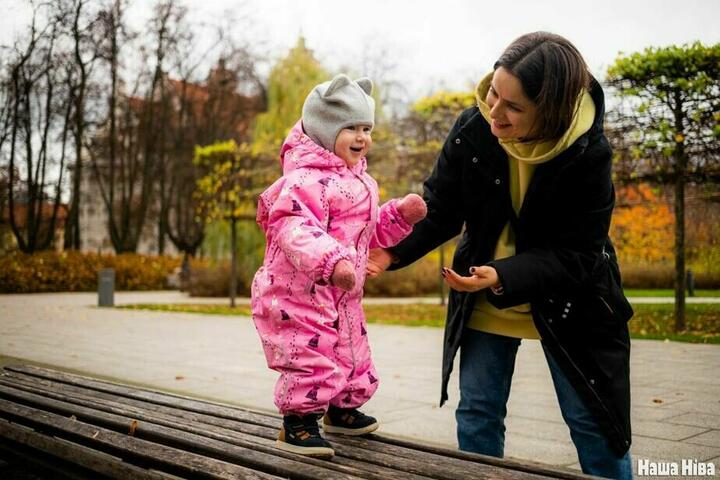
x=353 y=143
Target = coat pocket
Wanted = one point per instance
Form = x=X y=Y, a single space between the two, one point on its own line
x=607 y=289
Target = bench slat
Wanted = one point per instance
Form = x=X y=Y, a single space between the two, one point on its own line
x=238 y=435
x=75 y=453
x=266 y=444
x=167 y=399
x=160 y=456
x=177 y=439
x=382 y=455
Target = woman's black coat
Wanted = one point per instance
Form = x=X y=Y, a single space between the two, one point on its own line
x=565 y=265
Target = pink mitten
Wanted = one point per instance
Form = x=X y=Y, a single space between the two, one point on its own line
x=343 y=275
x=412 y=207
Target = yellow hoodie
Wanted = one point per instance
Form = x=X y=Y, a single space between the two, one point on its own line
x=522 y=159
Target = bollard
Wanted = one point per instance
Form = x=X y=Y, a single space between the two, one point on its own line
x=106 y=287
x=690 y=283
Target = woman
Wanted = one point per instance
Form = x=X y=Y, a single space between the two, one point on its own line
x=527 y=174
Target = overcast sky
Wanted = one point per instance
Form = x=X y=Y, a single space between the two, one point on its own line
x=445 y=43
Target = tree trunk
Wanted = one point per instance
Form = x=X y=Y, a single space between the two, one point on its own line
x=680 y=251
x=680 y=167
x=163 y=210
x=233 y=262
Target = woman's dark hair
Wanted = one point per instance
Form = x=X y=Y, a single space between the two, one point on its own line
x=552 y=73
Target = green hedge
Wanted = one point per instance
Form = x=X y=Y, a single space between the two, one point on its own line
x=78 y=272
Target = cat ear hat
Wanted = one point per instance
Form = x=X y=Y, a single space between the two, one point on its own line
x=336 y=104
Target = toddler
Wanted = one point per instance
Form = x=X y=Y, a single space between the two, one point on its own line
x=320 y=219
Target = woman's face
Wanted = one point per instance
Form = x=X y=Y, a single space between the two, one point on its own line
x=512 y=113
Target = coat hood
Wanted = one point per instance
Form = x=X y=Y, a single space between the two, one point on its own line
x=299 y=150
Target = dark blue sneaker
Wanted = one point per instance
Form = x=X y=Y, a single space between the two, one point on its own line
x=301 y=435
x=348 y=421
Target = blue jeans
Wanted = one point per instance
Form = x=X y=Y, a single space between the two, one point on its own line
x=487 y=362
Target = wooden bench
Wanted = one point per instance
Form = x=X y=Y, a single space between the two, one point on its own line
x=81 y=428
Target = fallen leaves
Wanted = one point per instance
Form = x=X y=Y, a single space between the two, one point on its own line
x=133 y=427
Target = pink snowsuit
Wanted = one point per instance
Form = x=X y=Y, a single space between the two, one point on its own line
x=319 y=212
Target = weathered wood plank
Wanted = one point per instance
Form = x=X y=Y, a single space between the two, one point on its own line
x=159 y=456
x=77 y=454
x=168 y=399
x=155 y=433
x=524 y=466
x=43 y=465
x=432 y=464
x=376 y=456
x=263 y=444
x=380 y=455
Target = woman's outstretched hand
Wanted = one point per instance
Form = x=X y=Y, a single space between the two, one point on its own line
x=480 y=277
x=378 y=261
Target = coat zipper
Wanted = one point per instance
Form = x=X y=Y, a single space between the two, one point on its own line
x=612 y=312
x=357 y=244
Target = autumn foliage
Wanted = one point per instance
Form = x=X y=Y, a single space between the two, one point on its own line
x=642 y=230
x=72 y=271
x=642 y=226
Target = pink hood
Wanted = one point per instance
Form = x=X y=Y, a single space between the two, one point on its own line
x=299 y=150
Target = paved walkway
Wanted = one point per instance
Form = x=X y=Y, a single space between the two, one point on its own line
x=675 y=386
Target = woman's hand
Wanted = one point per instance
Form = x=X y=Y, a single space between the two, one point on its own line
x=480 y=277
x=378 y=261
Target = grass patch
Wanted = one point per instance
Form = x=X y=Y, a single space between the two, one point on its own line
x=636 y=292
x=657 y=322
x=650 y=322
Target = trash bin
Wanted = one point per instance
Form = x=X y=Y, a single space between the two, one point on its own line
x=106 y=287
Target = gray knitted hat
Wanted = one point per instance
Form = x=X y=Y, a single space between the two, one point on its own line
x=334 y=105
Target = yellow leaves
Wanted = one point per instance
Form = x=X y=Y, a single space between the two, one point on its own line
x=206 y=153
x=455 y=101
x=233 y=176
x=642 y=226
x=679 y=138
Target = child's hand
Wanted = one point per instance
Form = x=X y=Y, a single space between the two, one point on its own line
x=412 y=207
x=343 y=275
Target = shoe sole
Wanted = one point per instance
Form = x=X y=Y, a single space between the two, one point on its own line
x=318 y=452
x=353 y=432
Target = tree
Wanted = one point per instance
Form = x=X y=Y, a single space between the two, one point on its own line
x=233 y=178
x=670 y=130
x=36 y=109
x=80 y=25
x=208 y=112
x=128 y=154
x=289 y=83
